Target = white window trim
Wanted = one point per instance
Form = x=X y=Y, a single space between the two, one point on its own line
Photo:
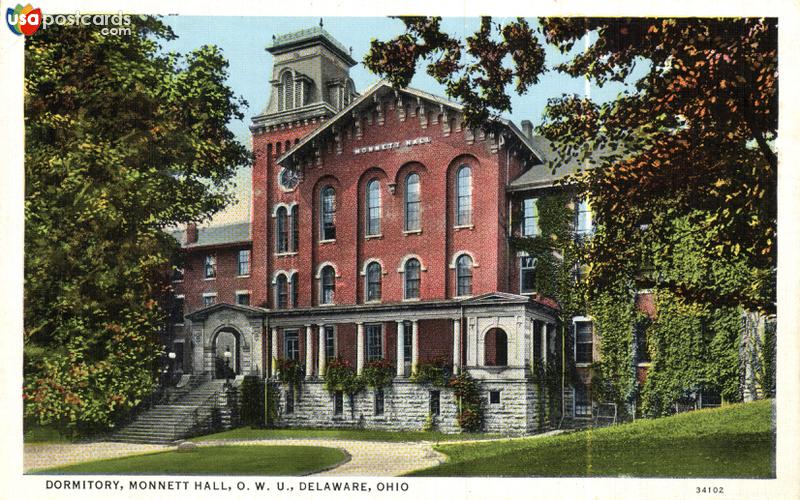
x=519 y=259
x=378 y=235
x=288 y=274
x=239 y=293
x=249 y=262
x=459 y=254
x=406 y=258
x=575 y=321
x=318 y=274
x=281 y=186
x=209 y=294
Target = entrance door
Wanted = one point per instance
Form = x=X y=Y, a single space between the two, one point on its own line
x=227 y=363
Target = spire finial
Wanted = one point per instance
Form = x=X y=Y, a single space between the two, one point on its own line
x=320 y=22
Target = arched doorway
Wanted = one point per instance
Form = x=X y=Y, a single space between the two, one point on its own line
x=496 y=348
x=227 y=353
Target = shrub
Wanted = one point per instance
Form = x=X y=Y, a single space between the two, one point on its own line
x=340 y=376
x=470 y=408
x=436 y=373
x=378 y=373
x=252 y=401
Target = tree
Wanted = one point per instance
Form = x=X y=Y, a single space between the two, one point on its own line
x=692 y=139
x=122 y=141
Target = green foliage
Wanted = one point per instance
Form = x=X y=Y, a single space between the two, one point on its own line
x=290 y=372
x=340 y=376
x=122 y=141
x=436 y=373
x=378 y=373
x=692 y=348
x=470 y=405
x=430 y=423
x=252 y=401
x=769 y=359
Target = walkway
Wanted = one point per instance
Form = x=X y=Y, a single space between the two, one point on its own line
x=367 y=458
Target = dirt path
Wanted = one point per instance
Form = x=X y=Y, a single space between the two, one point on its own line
x=41 y=456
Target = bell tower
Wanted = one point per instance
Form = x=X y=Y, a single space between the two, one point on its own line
x=310 y=78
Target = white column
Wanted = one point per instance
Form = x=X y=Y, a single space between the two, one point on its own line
x=544 y=343
x=309 y=352
x=456 y=345
x=414 y=346
x=274 y=353
x=360 y=348
x=401 y=334
x=321 y=352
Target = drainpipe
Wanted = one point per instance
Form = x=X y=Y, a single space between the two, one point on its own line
x=563 y=373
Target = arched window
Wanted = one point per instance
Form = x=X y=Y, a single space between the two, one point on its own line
x=327 y=285
x=464 y=275
x=411 y=273
x=373 y=288
x=328 y=213
x=281 y=231
x=464 y=196
x=281 y=292
x=496 y=348
x=287 y=84
x=373 y=208
x=295 y=217
x=412 y=202
x=293 y=285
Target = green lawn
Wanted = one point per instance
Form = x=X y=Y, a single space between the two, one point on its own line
x=216 y=460
x=353 y=434
x=38 y=434
x=736 y=441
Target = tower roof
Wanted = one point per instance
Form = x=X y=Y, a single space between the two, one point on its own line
x=306 y=37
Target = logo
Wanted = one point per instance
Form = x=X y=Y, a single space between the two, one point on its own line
x=23 y=20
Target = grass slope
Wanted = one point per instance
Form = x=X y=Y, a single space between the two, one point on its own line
x=350 y=434
x=736 y=441
x=216 y=460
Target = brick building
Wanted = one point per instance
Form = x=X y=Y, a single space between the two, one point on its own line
x=380 y=230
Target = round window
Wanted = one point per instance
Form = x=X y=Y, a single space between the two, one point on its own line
x=288 y=178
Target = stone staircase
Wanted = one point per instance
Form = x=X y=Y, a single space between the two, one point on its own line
x=190 y=411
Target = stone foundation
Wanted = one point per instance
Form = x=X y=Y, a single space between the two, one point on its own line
x=407 y=406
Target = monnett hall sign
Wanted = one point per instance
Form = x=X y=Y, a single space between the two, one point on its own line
x=391 y=145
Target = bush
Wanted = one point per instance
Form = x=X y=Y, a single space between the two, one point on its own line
x=340 y=376
x=436 y=373
x=378 y=373
x=470 y=408
x=290 y=372
x=252 y=401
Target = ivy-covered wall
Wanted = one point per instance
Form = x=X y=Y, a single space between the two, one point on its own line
x=691 y=347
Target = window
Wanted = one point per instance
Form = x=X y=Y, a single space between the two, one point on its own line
x=177 y=274
x=583 y=402
x=373 y=288
x=291 y=344
x=464 y=196
x=374 y=342
x=295 y=219
x=209 y=299
x=412 y=203
x=530 y=217
x=583 y=219
x=338 y=403
x=210 y=266
x=526 y=274
x=494 y=397
x=328 y=215
x=290 y=400
x=281 y=231
x=464 y=275
x=642 y=352
x=373 y=208
x=294 y=292
x=243 y=298
x=176 y=315
x=583 y=342
x=434 y=403
x=379 y=400
x=243 y=263
x=537 y=340
x=281 y=292
x=287 y=84
x=327 y=285
x=330 y=346
x=411 y=273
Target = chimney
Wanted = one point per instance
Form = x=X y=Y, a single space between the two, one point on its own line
x=527 y=128
x=191 y=233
